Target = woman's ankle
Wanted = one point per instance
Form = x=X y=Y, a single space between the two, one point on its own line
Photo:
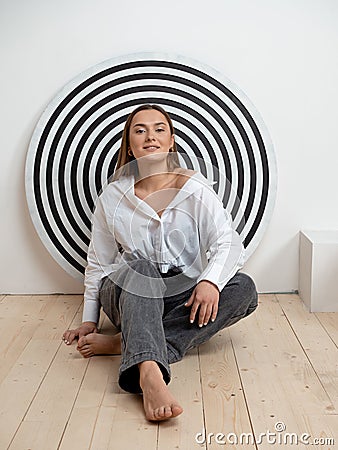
x=149 y=369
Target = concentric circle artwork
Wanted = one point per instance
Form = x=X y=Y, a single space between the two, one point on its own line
x=73 y=150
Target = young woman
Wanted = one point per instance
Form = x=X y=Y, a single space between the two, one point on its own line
x=163 y=264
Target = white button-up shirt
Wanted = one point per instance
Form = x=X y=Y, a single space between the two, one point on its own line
x=193 y=233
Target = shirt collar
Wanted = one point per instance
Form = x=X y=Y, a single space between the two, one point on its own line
x=125 y=184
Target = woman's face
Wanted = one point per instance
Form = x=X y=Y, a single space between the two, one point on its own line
x=149 y=134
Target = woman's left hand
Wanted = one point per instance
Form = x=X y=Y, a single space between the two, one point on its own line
x=205 y=297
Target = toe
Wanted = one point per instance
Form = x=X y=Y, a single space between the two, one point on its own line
x=176 y=410
x=152 y=416
x=167 y=411
x=85 y=351
x=159 y=413
x=87 y=354
x=82 y=341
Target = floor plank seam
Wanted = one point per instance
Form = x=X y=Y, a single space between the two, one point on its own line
x=72 y=408
x=243 y=391
x=40 y=384
x=202 y=395
x=96 y=417
x=305 y=353
x=158 y=437
x=80 y=385
x=325 y=329
x=98 y=412
x=38 y=387
x=34 y=396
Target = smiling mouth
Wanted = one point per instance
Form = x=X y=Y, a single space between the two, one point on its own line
x=151 y=147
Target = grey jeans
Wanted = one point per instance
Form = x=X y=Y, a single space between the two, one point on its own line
x=156 y=326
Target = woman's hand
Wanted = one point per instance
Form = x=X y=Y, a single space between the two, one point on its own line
x=205 y=297
x=83 y=330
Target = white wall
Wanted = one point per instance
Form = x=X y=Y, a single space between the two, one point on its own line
x=282 y=54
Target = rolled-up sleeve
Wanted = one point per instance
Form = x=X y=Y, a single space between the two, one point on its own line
x=226 y=251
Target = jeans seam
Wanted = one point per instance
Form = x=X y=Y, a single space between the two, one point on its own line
x=172 y=350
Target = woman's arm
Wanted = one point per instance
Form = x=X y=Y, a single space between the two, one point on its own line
x=221 y=240
x=226 y=257
x=102 y=253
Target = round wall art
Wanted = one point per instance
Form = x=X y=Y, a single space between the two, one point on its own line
x=73 y=150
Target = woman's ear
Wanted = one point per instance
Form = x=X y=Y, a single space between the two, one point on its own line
x=172 y=140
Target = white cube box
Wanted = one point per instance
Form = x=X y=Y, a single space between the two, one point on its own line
x=318 y=270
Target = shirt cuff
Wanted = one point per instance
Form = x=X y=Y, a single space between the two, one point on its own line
x=214 y=275
x=91 y=311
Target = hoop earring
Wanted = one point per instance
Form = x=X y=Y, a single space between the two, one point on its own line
x=130 y=153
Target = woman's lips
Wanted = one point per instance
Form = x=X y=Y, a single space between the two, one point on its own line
x=151 y=148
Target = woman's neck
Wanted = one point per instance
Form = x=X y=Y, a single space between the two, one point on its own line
x=156 y=182
x=153 y=177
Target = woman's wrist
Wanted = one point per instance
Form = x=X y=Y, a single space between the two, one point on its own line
x=89 y=324
x=211 y=283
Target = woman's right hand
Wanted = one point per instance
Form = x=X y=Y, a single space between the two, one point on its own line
x=84 y=329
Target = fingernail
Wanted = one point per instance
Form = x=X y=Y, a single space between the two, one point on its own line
x=200 y=325
x=191 y=321
x=206 y=323
x=212 y=320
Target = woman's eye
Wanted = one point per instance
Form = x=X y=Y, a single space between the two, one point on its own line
x=160 y=129
x=139 y=131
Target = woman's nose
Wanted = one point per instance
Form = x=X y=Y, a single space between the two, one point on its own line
x=150 y=135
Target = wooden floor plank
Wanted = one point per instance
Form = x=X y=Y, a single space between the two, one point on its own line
x=60 y=317
x=33 y=400
x=15 y=305
x=120 y=420
x=224 y=402
x=19 y=387
x=179 y=433
x=121 y=423
x=100 y=376
x=320 y=349
x=51 y=397
x=174 y=434
x=280 y=384
x=131 y=433
x=98 y=379
x=19 y=318
x=330 y=323
x=52 y=405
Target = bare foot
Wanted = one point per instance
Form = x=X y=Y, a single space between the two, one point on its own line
x=99 y=344
x=158 y=402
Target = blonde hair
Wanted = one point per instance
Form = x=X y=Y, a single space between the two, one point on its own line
x=125 y=165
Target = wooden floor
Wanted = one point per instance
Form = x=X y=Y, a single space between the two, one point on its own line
x=278 y=368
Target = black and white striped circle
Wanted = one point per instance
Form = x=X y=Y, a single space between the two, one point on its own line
x=73 y=150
